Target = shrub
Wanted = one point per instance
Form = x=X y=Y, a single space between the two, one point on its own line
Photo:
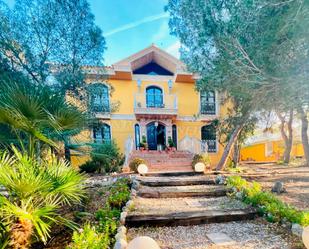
x=105 y=158
x=170 y=142
x=267 y=203
x=89 y=167
x=201 y=158
x=37 y=190
x=135 y=162
x=88 y=238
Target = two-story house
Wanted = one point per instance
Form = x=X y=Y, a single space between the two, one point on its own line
x=157 y=101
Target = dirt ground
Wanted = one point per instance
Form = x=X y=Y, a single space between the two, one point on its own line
x=295 y=178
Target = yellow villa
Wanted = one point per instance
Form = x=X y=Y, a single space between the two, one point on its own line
x=156 y=100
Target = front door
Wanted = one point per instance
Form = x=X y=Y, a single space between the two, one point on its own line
x=155 y=136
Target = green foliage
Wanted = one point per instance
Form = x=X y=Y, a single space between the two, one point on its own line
x=236 y=182
x=170 y=142
x=119 y=194
x=37 y=189
x=267 y=203
x=37 y=116
x=143 y=143
x=135 y=162
x=252 y=51
x=87 y=238
x=201 y=158
x=89 y=167
x=105 y=158
x=48 y=41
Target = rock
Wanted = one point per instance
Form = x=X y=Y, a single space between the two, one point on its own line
x=142 y=169
x=143 y=242
x=199 y=167
x=135 y=185
x=297 y=229
x=278 y=188
x=120 y=236
x=122 y=229
x=123 y=216
x=305 y=236
x=220 y=179
x=120 y=244
x=133 y=193
x=239 y=195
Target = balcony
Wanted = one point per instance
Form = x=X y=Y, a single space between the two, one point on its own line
x=155 y=106
x=101 y=110
x=208 y=111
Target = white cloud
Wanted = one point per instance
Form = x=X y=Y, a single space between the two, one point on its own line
x=174 y=49
x=135 y=24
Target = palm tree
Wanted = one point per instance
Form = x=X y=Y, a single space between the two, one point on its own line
x=36 y=115
x=36 y=191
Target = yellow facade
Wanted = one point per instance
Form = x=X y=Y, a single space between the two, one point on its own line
x=269 y=151
x=181 y=103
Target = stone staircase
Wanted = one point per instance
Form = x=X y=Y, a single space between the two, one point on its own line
x=162 y=161
x=193 y=212
x=185 y=201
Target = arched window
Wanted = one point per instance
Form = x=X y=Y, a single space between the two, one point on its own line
x=137 y=136
x=102 y=133
x=208 y=102
x=154 y=97
x=209 y=137
x=99 y=98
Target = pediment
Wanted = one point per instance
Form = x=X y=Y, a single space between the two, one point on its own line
x=151 y=59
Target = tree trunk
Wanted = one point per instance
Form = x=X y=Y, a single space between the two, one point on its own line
x=236 y=153
x=20 y=234
x=229 y=146
x=304 y=133
x=286 y=136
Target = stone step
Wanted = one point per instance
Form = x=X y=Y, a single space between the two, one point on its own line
x=174 y=173
x=175 y=181
x=180 y=192
x=190 y=218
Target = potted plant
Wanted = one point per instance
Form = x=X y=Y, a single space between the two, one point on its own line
x=171 y=144
x=143 y=145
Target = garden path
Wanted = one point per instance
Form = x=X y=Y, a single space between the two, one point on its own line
x=192 y=212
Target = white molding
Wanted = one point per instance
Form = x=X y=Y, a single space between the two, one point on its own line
x=123 y=117
x=153 y=78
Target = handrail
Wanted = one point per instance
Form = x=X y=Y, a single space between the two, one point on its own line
x=148 y=100
x=129 y=145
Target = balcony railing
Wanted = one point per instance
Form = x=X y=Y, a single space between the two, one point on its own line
x=209 y=146
x=208 y=109
x=155 y=104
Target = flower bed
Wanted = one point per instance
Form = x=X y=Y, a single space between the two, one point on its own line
x=267 y=203
x=101 y=233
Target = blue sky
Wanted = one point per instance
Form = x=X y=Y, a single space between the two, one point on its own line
x=131 y=25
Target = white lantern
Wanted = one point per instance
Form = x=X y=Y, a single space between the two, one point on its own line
x=199 y=167
x=306 y=237
x=142 y=169
x=143 y=242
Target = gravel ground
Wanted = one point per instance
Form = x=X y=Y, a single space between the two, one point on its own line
x=170 y=205
x=191 y=188
x=295 y=179
x=256 y=234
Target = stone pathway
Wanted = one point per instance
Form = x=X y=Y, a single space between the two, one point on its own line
x=191 y=212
